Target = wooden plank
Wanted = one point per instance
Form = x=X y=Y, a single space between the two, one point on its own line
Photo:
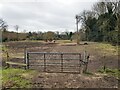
x=14 y=63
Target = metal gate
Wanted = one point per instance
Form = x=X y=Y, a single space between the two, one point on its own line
x=54 y=61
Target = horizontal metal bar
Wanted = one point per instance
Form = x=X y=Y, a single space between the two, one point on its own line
x=60 y=63
x=53 y=53
x=65 y=63
x=53 y=63
x=70 y=68
x=53 y=59
x=36 y=65
x=47 y=63
x=56 y=63
x=64 y=67
x=47 y=67
x=43 y=64
x=71 y=64
x=75 y=65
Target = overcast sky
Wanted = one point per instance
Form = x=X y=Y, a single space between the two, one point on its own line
x=43 y=15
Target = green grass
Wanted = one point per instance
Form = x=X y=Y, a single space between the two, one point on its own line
x=17 y=78
x=108 y=46
x=113 y=72
x=107 y=49
x=3 y=48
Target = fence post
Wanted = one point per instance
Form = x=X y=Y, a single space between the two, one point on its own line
x=104 y=66
x=27 y=60
x=79 y=62
x=61 y=62
x=86 y=57
x=8 y=65
x=25 y=56
x=7 y=56
x=44 y=63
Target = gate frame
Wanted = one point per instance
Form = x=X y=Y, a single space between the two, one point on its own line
x=26 y=59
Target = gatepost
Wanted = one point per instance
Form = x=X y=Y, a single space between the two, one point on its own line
x=84 y=62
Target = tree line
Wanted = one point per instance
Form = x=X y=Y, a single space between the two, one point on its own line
x=102 y=23
x=46 y=36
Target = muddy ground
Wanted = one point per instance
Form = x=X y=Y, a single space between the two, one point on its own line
x=70 y=80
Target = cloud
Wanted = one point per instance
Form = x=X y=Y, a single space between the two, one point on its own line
x=45 y=16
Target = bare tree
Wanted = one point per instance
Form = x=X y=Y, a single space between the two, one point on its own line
x=78 y=18
x=16 y=28
x=99 y=8
x=3 y=25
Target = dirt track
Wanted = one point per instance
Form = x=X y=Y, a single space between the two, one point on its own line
x=67 y=80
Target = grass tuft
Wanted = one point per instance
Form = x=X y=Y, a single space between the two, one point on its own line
x=113 y=72
x=13 y=78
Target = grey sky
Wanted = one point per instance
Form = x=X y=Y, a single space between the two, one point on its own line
x=54 y=15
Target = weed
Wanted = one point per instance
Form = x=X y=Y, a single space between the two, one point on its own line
x=114 y=72
x=15 y=79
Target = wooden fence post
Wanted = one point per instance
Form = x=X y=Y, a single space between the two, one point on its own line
x=79 y=62
x=61 y=62
x=44 y=63
x=25 y=52
x=104 y=66
x=86 y=58
x=26 y=58
x=7 y=55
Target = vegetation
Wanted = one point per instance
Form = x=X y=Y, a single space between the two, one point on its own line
x=31 y=77
x=107 y=49
x=16 y=78
x=14 y=36
x=114 y=72
x=102 y=23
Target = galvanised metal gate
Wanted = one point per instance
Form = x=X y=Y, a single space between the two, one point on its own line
x=54 y=61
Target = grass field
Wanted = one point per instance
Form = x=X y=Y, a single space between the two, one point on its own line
x=100 y=54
